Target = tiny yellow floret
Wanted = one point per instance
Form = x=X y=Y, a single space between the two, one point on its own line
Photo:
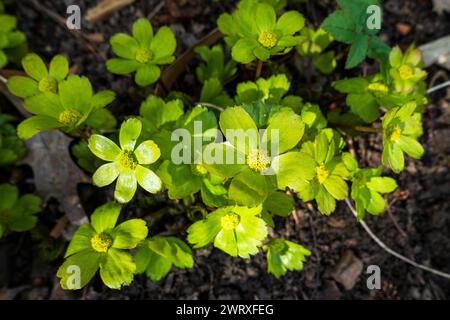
x=229 y=221
x=322 y=173
x=143 y=55
x=69 y=117
x=395 y=133
x=268 y=39
x=101 y=242
x=199 y=170
x=127 y=160
x=405 y=72
x=258 y=160
x=48 y=85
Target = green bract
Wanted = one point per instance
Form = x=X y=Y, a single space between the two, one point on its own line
x=324 y=179
x=10 y=39
x=312 y=43
x=284 y=256
x=214 y=66
x=126 y=164
x=235 y=230
x=254 y=32
x=74 y=105
x=102 y=245
x=401 y=129
x=367 y=184
x=40 y=79
x=406 y=69
x=17 y=214
x=258 y=169
x=12 y=148
x=157 y=255
x=142 y=52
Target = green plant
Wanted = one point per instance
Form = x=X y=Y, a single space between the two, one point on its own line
x=313 y=43
x=17 y=214
x=142 y=52
x=127 y=163
x=350 y=25
x=12 y=148
x=272 y=150
x=103 y=245
x=157 y=254
x=254 y=32
x=12 y=42
x=73 y=106
x=401 y=129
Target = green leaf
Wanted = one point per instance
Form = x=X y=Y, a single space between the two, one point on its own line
x=266 y=17
x=358 y=51
x=216 y=160
x=376 y=204
x=283 y=256
x=22 y=87
x=87 y=260
x=59 y=67
x=156 y=266
x=33 y=125
x=410 y=146
x=352 y=85
x=290 y=22
x=105 y=217
x=124 y=46
x=34 y=66
x=9 y=195
x=128 y=234
x=325 y=201
x=289 y=128
x=164 y=43
x=242 y=51
x=339 y=24
x=103 y=147
x=396 y=159
x=121 y=66
x=382 y=184
x=143 y=32
x=148 y=180
x=337 y=187
x=147 y=75
x=118 y=269
x=279 y=203
x=76 y=93
x=239 y=128
x=81 y=240
x=130 y=130
x=365 y=106
x=293 y=170
x=101 y=119
x=103 y=98
x=203 y=232
x=248 y=188
x=125 y=187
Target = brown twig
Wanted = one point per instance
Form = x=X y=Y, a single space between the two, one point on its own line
x=259 y=67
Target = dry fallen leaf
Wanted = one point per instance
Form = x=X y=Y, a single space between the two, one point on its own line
x=55 y=173
x=403 y=28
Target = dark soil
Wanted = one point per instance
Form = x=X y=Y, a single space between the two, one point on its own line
x=417 y=225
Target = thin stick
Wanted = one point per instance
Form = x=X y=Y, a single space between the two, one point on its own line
x=392 y=252
x=438 y=87
x=258 y=69
x=210 y=105
x=3 y=79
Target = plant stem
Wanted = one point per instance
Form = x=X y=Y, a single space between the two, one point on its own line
x=258 y=69
x=367 y=129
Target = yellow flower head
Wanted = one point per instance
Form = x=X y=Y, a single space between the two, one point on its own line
x=101 y=242
x=268 y=39
x=48 y=85
x=322 y=173
x=127 y=160
x=70 y=117
x=258 y=160
x=405 y=72
x=395 y=133
x=143 y=55
x=229 y=221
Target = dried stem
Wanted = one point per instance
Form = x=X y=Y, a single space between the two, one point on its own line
x=259 y=69
x=392 y=252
